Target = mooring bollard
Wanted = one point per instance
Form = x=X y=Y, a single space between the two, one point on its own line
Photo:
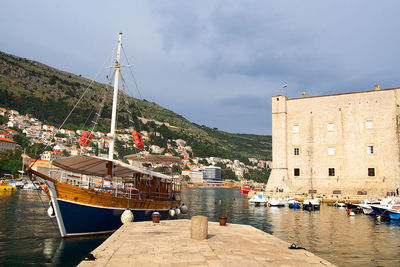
x=222 y=220
x=155 y=217
x=199 y=229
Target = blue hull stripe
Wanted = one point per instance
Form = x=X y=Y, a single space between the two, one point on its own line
x=394 y=215
x=81 y=219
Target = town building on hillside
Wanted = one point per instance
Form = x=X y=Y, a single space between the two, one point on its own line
x=212 y=174
x=195 y=176
x=337 y=144
x=3 y=111
x=11 y=124
x=49 y=128
x=44 y=166
x=156 y=149
x=14 y=112
x=253 y=160
x=180 y=143
x=5 y=135
x=52 y=155
x=7 y=144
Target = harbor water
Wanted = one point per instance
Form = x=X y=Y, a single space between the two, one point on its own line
x=29 y=237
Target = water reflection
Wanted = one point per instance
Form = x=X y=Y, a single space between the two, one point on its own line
x=29 y=237
x=330 y=233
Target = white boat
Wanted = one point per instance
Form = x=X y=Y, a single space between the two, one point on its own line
x=29 y=185
x=258 y=199
x=277 y=202
x=311 y=204
x=366 y=206
x=386 y=204
x=339 y=204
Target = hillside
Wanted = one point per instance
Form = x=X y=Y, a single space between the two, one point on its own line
x=49 y=94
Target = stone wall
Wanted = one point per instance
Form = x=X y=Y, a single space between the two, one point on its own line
x=346 y=142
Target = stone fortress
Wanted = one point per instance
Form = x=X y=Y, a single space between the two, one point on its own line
x=337 y=144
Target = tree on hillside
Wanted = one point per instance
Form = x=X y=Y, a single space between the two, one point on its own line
x=11 y=161
x=22 y=140
x=176 y=169
x=3 y=120
x=204 y=161
x=228 y=174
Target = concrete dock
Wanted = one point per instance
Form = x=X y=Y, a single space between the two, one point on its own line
x=168 y=243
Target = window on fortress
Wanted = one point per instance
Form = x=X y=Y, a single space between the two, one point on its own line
x=330 y=127
x=370 y=150
x=371 y=171
x=296 y=172
x=368 y=124
x=296 y=151
x=331 y=171
x=296 y=128
x=331 y=151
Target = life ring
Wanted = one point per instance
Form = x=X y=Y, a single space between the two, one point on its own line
x=137 y=139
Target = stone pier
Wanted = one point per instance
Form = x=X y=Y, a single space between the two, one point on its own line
x=168 y=243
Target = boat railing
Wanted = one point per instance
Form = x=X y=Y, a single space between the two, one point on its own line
x=116 y=189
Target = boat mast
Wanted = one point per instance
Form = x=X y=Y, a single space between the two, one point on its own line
x=115 y=100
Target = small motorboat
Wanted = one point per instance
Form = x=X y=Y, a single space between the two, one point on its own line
x=258 y=200
x=4 y=186
x=340 y=204
x=311 y=204
x=277 y=202
x=365 y=206
x=29 y=185
x=386 y=204
x=294 y=204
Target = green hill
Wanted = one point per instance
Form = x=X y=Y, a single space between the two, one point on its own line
x=49 y=94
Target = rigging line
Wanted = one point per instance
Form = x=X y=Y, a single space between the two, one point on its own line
x=100 y=109
x=134 y=101
x=134 y=80
x=130 y=115
x=87 y=88
x=103 y=93
x=88 y=117
x=130 y=69
x=41 y=200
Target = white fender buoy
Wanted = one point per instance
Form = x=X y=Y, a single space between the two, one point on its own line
x=50 y=212
x=184 y=209
x=177 y=211
x=171 y=212
x=127 y=216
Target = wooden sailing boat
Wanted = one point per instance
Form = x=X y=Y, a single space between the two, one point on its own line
x=88 y=194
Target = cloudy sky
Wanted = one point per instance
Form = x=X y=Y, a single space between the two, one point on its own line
x=217 y=63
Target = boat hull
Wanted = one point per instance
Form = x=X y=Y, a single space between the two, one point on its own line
x=258 y=200
x=78 y=219
x=380 y=210
x=394 y=215
x=311 y=207
x=244 y=191
x=295 y=205
x=82 y=212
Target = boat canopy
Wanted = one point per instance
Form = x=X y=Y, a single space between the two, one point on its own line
x=97 y=166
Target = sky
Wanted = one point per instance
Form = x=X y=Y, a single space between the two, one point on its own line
x=217 y=63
